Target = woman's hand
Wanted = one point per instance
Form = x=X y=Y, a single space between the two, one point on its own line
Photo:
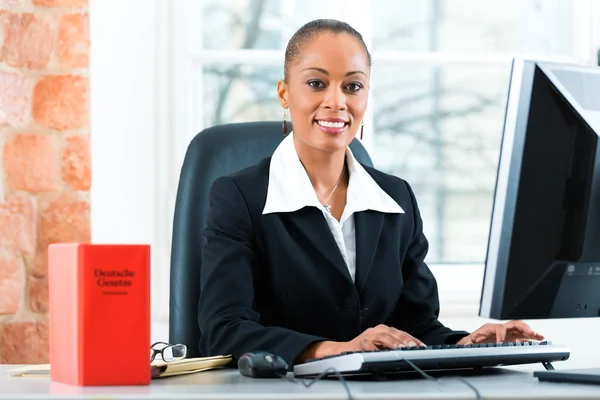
x=381 y=337
x=512 y=331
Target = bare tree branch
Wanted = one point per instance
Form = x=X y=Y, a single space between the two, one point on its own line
x=252 y=32
x=215 y=8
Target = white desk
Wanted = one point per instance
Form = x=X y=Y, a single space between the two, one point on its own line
x=501 y=383
x=229 y=384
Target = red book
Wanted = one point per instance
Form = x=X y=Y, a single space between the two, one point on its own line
x=99 y=317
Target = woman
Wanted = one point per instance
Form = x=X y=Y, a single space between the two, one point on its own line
x=309 y=253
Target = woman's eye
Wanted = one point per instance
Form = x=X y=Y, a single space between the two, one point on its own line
x=354 y=87
x=315 y=84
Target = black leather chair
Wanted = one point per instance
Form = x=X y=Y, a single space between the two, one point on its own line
x=214 y=152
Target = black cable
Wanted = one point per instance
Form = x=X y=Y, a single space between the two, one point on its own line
x=469 y=384
x=410 y=363
x=426 y=375
x=321 y=375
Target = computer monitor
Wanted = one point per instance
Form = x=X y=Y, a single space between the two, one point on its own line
x=543 y=256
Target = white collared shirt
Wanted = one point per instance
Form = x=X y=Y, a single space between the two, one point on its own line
x=290 y=190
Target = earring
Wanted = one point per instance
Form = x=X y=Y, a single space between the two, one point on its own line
x=284 y=128
x=362 y=124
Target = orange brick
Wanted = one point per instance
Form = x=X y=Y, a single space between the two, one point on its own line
x=11 y=281
x=61 y=3
x=60 y=102
x=24 y=342
x=28 y=40
x=10 y=2
x=38 y=263
x=76 y=162
x=15 y=101
x=18 y=223
x=64 y=219
x=38 y=295
x=73 y=41
x=31 y=163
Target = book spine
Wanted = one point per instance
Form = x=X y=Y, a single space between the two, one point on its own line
x=64 y=313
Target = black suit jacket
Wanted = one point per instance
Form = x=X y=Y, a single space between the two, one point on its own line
x=278 y=282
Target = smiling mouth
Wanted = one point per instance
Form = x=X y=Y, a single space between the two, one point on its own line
x=332 y=124
x=332 y=127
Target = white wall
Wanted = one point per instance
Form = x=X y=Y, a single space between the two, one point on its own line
x=128 y=118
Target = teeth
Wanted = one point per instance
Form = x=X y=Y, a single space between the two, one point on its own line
x=331 y=124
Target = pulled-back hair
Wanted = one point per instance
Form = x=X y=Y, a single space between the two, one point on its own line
x=311 y=29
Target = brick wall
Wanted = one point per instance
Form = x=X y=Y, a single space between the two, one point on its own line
x=45 y=159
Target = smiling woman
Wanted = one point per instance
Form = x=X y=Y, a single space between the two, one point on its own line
x=309 y=253
x=326 y=89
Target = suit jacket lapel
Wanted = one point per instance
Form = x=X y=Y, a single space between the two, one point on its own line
x=368 y=225
x=312 y=227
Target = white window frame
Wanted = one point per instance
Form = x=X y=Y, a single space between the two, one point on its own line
x=143 y=104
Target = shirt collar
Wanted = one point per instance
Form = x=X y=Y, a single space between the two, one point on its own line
x=289 y=187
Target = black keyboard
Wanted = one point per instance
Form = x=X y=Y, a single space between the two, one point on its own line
x=436 y=357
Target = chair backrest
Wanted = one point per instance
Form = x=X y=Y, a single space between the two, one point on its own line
x=214 y=152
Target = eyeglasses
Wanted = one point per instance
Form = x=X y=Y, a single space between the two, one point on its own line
x=168 y=352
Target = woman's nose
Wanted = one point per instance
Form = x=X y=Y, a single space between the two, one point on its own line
x=335 y=99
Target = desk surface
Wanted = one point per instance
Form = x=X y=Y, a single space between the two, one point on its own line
x=498 y=383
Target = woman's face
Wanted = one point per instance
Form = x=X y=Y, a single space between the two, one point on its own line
x=327 y=91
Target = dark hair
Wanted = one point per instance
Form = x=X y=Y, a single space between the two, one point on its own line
x=311 y=29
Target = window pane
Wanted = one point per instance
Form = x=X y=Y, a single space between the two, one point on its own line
x=439 y=128
x=239 y=93
x=536 y=26
x=256 y=24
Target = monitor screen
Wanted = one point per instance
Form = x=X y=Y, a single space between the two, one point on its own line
x=543 y=256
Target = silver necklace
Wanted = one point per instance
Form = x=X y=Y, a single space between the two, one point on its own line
x=326 y=201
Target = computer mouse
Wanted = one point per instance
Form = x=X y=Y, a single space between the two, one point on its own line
x=262 y=364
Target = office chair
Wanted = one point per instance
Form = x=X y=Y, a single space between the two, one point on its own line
x=212 y=153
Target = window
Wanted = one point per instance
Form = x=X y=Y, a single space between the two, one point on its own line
x=439 y=83
x=438 y=90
